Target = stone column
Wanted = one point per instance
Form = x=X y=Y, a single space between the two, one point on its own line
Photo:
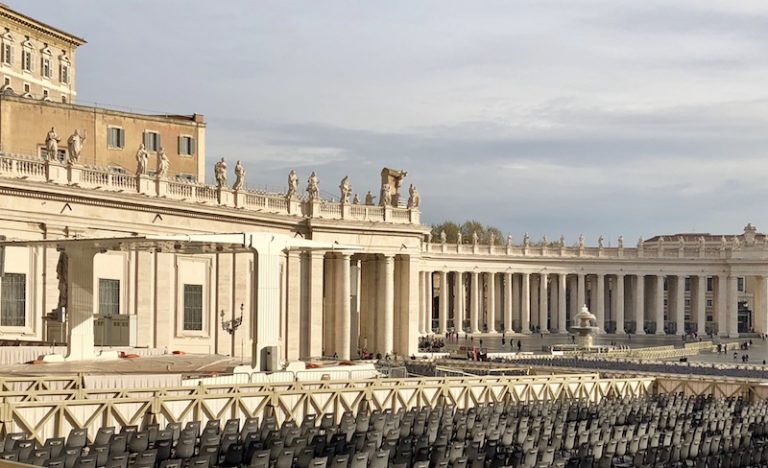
x=699 y=303
x=721 y=298
x=581 y=297
x=491 y=302
x=508 y=302
x=679 y=303
x=458 y=304
x=561 y=303
x=639 y=304
x=659 y=304
x=474 y=302
x=388 y=305
x=618 y=297
x=422 y=302
x=430 y=303
x=525 y=303
x=600 y=301
x=732 y=310
x=443 y=302
x=343 y=308
x=356 y=285
x=543 y=304
x=760 y=306
x=80 y=345
x=313 y=327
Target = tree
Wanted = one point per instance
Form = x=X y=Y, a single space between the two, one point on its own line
x=451 y=230
x=497 y=235
x=471 y=227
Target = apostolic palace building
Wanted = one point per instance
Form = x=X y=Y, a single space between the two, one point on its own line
x=346 y=275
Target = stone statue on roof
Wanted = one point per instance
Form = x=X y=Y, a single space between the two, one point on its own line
x=345 y=189
x=52 y=144
x=141 y=160
x=239 y=177
x=313 y=187
x=220 y=171
x=163 y=165
x=75 y=146
x=293 y=184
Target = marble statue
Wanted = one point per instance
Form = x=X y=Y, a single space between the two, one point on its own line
x=621 y=242
x=544 y=240
x=491 y=238
x=581 y=241
x=239 y=177
x=386 y=195
x=141 y=160
x=162 y=164
x=293 y=184
x=394 y=180
x=723 y=243
x=413 y=197
x=459 y=239
x=220 y=171
x=475 y=238
x=61 y=274
x=509 y=240
x=369 y=198
x=442 y=237
x=356 y=199
x=736 y=243
x=313 y=187
x=526 y=240
x=75 y=146
x=562 y=241
x=52 y=145
x=600 y=241
x=661 y=243
x=750 y=233
x=429 y=237
x=702 y=242
x=640 y=242
x=346 y=189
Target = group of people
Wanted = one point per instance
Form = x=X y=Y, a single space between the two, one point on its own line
x=430 y=344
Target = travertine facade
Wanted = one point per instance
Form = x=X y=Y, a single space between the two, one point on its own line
x=36 y=60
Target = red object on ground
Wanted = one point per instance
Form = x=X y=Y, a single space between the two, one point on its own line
x=312 y=365
x=179 y=353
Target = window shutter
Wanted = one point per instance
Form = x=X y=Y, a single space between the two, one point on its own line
x=31 y=62
x=10 y=55
x=191 y=146
x=146 y=140
x=179 y=142
x=121 y=135
x=158 y=142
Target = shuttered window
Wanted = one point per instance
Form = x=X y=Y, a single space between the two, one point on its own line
x=115 y=137
x=186 y=145
x=151 y=141
x=193 y=307
x=13 y=300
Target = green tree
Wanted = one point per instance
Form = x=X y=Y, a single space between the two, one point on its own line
x=471 y=227
x=497 y=235
x=451 y=230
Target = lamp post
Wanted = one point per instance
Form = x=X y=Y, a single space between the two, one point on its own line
x=231 y=326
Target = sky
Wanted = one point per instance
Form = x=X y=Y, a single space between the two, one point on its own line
x=601 y=117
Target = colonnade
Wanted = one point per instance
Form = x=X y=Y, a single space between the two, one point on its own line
x=478 y=301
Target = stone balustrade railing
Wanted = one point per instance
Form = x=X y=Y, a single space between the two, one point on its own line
x=37 y=169
x=667 y=250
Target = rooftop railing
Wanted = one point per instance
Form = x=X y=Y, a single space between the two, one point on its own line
x=35 y=168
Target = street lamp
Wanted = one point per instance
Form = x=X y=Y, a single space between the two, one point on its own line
x=231 y=326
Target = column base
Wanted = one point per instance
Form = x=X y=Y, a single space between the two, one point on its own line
x=639 y=332
x=562 y=331
x=525 y=332
x=544 y=332
x=660 y=332
x=733 y=335
x=475 y=332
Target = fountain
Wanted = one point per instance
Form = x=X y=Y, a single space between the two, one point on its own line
x=585 y=332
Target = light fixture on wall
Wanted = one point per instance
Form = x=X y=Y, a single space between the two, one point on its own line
x=231 y=326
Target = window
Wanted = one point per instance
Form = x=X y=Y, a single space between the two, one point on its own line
x=46 y=67
x=709 y=302
x=115 y=137
x=64 y=99
x=186 y=145
x=45 y=94
x=193 y=307
x=109 y=296
x=7 y=53
x=740 y=284
x=6 y=81
x=151 y=141
x=687 y=283
x=710 y=283
x=26 y=60
x=13 y=300
x=687 y=302
x=64 y=73
x=27 y=88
